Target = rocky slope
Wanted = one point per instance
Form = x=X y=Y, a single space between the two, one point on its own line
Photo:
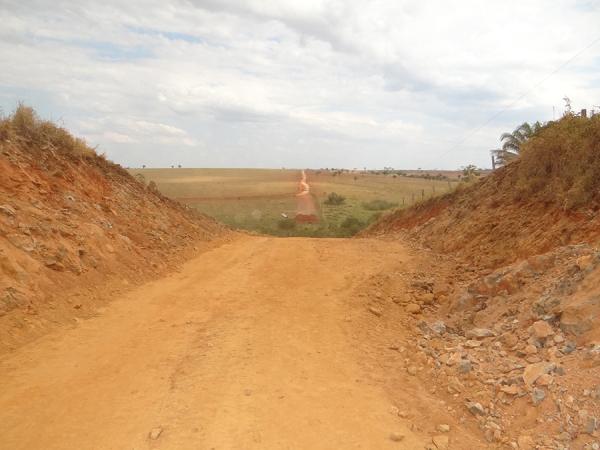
x=512 y=356
x=76 y=228
x=505 y=321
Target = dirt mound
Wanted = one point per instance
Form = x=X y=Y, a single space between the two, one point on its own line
x=75 y=228
x=306 y=218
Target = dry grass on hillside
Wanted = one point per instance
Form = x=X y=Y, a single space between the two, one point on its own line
x=24 y=126
x=562 y=163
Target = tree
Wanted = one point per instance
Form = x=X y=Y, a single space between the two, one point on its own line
x=179 y=166
x=143 y=166
x=512 y=142
x=335 y=199
x=469 y=173
x=394 y=176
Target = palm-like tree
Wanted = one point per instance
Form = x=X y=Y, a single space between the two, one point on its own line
x=511 y=142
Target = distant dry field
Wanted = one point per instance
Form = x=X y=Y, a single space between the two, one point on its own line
x=255 y=199
x=248 y=199
x=219 y=183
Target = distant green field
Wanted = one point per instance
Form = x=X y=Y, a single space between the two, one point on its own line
x=368 y=187
x=255 y=199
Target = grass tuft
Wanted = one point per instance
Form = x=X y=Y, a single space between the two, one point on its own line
x=378 y=205
x=25 y=127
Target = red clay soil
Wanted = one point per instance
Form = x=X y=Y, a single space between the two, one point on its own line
x=306 y=211
x=306 y=218
x=487 y=226
x=76 y=230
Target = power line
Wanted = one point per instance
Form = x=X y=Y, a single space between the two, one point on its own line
x=463 y=140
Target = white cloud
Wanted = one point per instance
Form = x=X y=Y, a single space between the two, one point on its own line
x=174 y=141
x=304 y=83
x=117 y=137
x=159 y=127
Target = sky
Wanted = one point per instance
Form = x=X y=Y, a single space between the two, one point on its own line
x=298 y=84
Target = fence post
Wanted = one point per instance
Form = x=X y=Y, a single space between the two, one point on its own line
x=402 y=201
x=422 y=192
x=449 y=185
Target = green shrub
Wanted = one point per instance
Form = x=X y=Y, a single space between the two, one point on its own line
x=335 y=199
x=286 y=224
x=350 y=221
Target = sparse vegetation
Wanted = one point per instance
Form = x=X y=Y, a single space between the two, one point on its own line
x=335 y=199
x=287 y=224
x=561 y=163
x=25 y=127
x=254 y=199
x=469 y=173
x=379 y=205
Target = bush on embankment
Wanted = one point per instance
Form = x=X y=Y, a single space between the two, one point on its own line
x=561 y=164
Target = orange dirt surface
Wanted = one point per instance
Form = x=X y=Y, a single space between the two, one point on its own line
x=306 y=211
x=262 y=343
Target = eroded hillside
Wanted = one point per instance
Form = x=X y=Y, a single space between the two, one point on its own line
x=76 y=228
x=508 y=332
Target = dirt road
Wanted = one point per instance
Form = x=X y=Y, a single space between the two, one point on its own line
x=249 y=346
x=305 y=204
